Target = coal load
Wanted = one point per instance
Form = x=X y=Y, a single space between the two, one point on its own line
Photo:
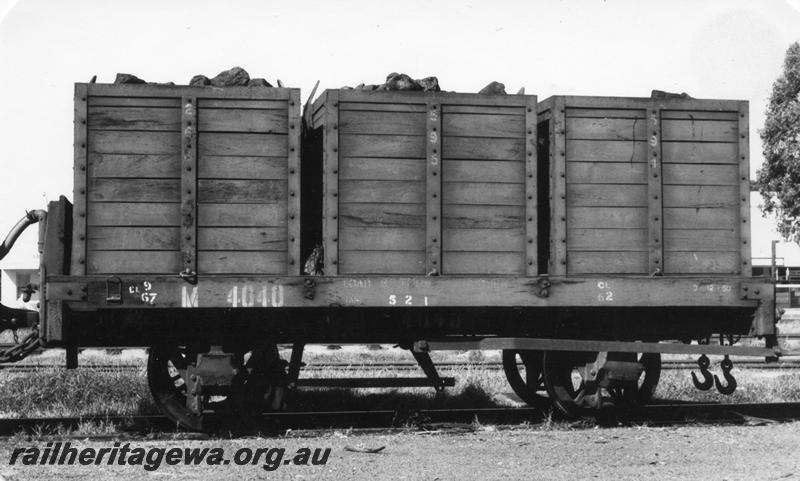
x=234 y=77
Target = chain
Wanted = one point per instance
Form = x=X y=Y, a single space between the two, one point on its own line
x=22 y=349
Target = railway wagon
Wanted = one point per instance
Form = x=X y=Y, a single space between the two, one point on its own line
x=448 y=221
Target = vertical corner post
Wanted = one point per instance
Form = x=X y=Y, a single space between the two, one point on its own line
x=654 y=192
x=433 y=214
x=558 y=188
x=744 y=189
x=531 y=194
x=81 y=167
x=189 y=185
x=294 y=263
x=330 y=219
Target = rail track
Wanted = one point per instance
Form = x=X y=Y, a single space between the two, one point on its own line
x=431 y=420
x=392 y=366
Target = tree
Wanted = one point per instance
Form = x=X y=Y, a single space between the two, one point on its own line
x=778 y=180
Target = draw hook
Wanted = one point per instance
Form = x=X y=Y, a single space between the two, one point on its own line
x=708 y=381
x=726 y=366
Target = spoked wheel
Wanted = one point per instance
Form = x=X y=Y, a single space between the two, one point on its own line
x=567 y=389
x=523 y=370
x=166 y=375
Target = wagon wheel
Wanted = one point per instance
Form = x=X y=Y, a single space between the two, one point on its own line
x=527 y=387
x=166 y=375
x=566 y=388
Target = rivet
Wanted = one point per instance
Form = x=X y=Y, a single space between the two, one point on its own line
x=291 y=239
x=83 y=121
x=188 y=168
x=530 y=175
x=742 y=135
x=292 y=149
x=291 y=262
x=336 y=104
x=81 y=237
x=188 y=191
x=335 y=262
x=83 y=191
x=291 y=194
x=655 y=218
x=335 y=126
x=743 y=157
x=529 y=130
x=530 y=197
x=434 y=239
x=434 y=150
x=291 y=216
x=291 y=126
x=529 y=109
x=530 y=241
x=291 y=171
x=657 y=261
x=562 y=175
x=563 y=261
x=83 y=99
x=335 y=171
x=563 y=154
x=655 y=197
x=744 y=221
x=530 y=263
x=188 y=237
x=563 y=219
x=655 y=174
x=745 y=242
x=530 y=219
x=334 y=194
x=563 y=241
x=334 y=217
x=81 y=261
x=83 y=146
x=563 y=196
x=434 y=196
x=83 y=167
x=434 y=217
x=744 y=262
x=335 y=149
x=434 y=173
x=291 y=103
x=82 y=214
x=434 y=129
x=335 y=239
x=744 y=178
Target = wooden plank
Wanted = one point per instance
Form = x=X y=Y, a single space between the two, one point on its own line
x=242 y=239
x=134 y=142
x=134 y=118
x=330 y=182
x=381 y=238
x=468 y=148
x=139 y=166
x=133 y=214
x=384 y=146
x=655 y=195
x=484 y=240
x=606 y=129
x=701 y=196
x=606 y=173
x=134 y=190
x=80 y=180
x=238 y=262
x=222 y=191
x=236 y=215
x=493 y=126
x=242 y=94
x=265 y=145
x=439 y=97
x=745 y=268
x=698 y=115
x=434 y=195
x=604 y=217
x=700 y=174
x=189 y=186
x=295 y=125
x=606 y=151
x=244 y=167
x=373 y=168
x=700 y=153
x=532 y=194
x=382 y=215
x=482 y=217
x=487 y=171
x=478 y=193
x=133 y=102
x=234 y=103
x=700 y=218
x=700 y=130
x=382 y=107
x=646 y=102
x=599 y=239
x=605 y=113
x=381 y=262
x=382 y=191
x=390 y=123
x=449 y=109
x=133 y=238
x=602 y=262
x=478 y=263
x=133 y=262
x=699 y=240
x=606 y=195
x=701 y=262
x=243 y=120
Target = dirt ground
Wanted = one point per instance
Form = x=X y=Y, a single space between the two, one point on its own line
x=700 y=452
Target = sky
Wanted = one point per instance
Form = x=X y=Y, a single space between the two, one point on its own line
x=713 y=49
